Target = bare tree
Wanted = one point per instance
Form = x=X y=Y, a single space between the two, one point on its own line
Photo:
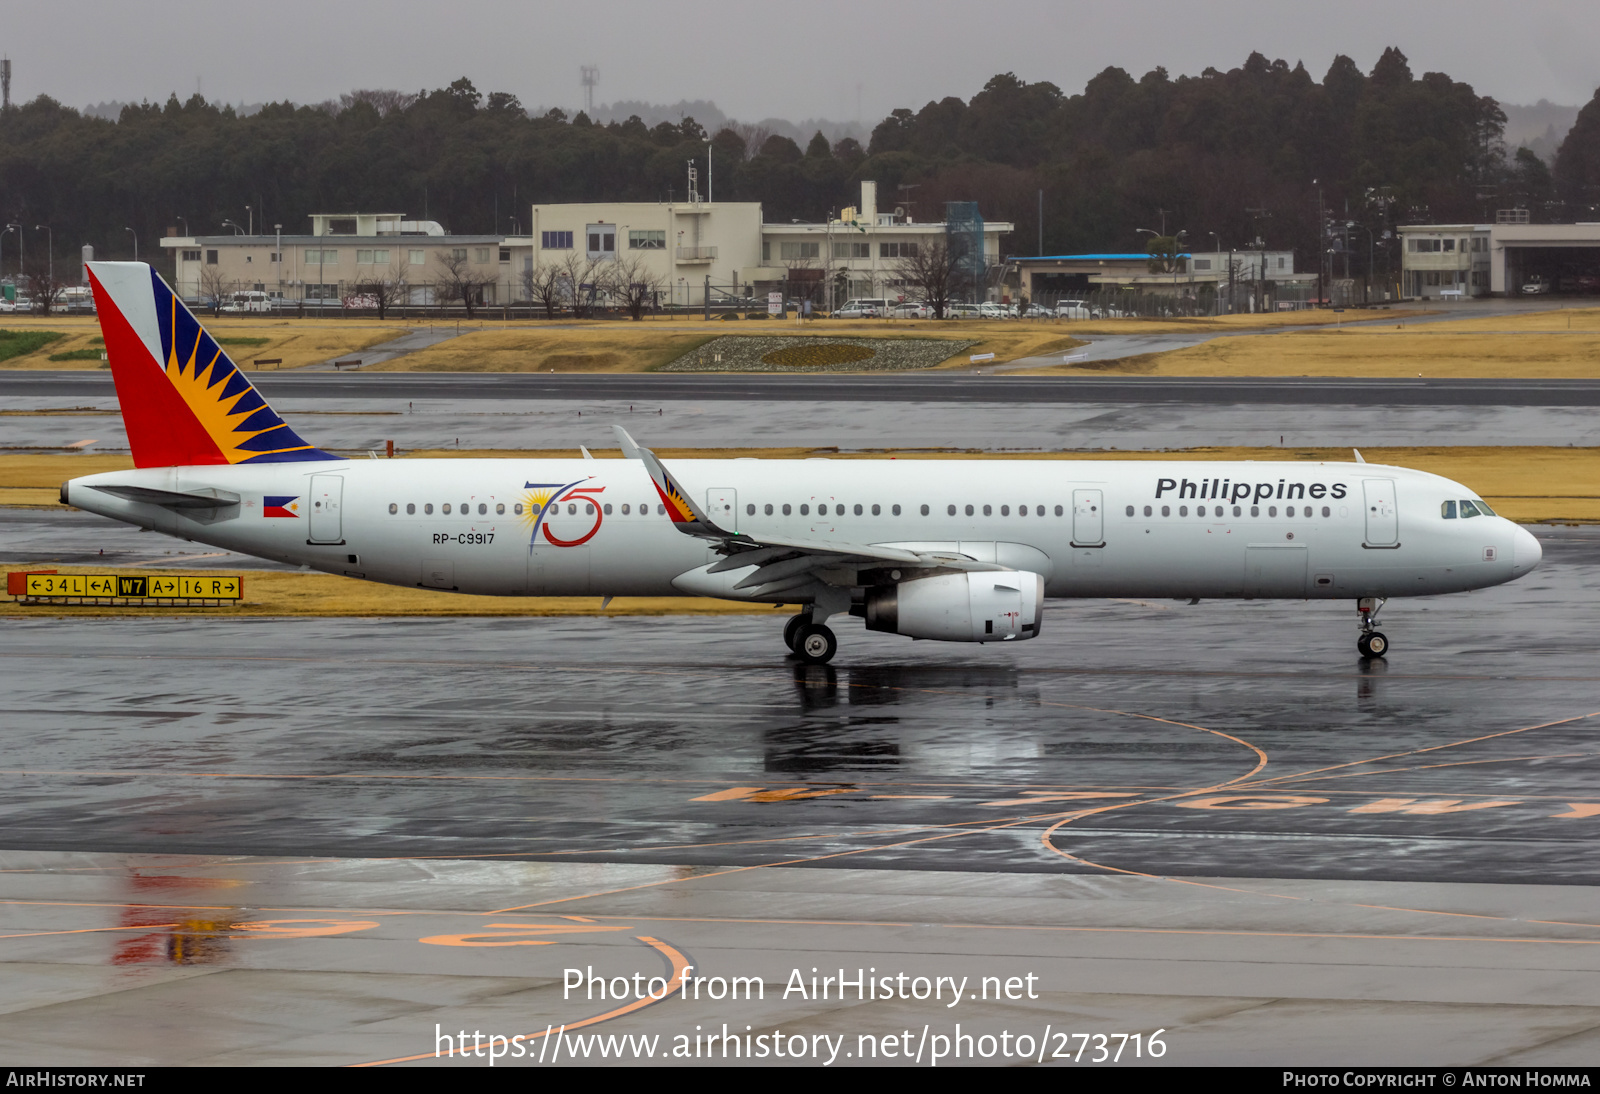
x=937 y=269
x=385 y=102
x=633 y=284
x=754 y=136
x=386 y=289
x=546 y=284
x=43 y=286
x=583 y=281
x=458 y=280
x=213 y=287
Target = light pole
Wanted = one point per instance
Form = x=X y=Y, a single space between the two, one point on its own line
x=250 y=219
x=238 y=231
x=135 y=236
x=277 y=230
x=185 y=220
x=50 y=255
x=21 y=250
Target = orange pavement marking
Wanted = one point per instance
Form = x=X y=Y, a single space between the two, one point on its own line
x=678 y=963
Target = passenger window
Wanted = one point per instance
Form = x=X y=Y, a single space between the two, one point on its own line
x=1022 y=510
x=625 y=509
x=1272 y=510
x=1326 y=511
x=1059 y=510
x=411 y=508
x=952 y=510
x=517 y=509
x=785 y=508
x=1148 y=511
x=749 y=510
x=606 y=508
x=1183 y=510
x=858 y=509
x=895 y=511
x=805 y=510
x=876 y=509
x=1255 y=510
x=1166 y=510
x=500 y=509
x=1238 y=512
x=445 y=509
x=1130 y=510
x=393 y=508
x=661 y=510
x=1005 y=510
x=969 y=510
x=466 y=508
x=483 y=509
x=988 y=511
x=768 y=510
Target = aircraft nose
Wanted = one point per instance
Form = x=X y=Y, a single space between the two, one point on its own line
x=1526 y=552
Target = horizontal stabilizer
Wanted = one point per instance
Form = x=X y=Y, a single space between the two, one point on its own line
x=172 y=499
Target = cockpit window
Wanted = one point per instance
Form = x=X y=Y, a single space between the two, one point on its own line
x=1484 y=509
x=1468 y=509
x=1448 y=510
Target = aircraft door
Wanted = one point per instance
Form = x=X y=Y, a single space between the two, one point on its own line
x=327 y=494
x=722 y=506
x=1383 y=513
x=1088 y=519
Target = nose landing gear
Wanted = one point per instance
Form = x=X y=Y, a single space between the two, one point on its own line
x=1372 y=642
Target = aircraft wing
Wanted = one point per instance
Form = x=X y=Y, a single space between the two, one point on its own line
x=781 y=563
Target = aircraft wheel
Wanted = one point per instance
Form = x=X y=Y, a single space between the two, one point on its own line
x=1372 y=644
x=791 y=629
x=815 y=644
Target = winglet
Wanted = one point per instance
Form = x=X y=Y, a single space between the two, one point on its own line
x=688 y=517
x=1359 y=458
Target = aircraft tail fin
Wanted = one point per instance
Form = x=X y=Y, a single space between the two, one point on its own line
x=184 y=401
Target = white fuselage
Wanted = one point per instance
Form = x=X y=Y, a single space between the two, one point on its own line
x=515 y=527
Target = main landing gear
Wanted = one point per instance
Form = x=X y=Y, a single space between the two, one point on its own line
x=1372 y=642
x=812 y=642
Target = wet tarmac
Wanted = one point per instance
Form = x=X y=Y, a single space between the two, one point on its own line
x=330 y=841
x=357 y=425
x=1208 y=739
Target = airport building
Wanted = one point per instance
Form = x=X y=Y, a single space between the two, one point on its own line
x=684 y=247
x=1508 y=258
x=341 y=253
x=1055 y=277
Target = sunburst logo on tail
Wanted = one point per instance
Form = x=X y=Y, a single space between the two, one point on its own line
x=226 y=405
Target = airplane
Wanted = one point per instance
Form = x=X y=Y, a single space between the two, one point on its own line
x=947 y=550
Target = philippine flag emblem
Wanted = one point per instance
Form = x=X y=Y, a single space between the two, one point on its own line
x=280 y=506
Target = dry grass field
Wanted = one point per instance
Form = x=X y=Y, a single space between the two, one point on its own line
x=1563 y=344
x=297 y=342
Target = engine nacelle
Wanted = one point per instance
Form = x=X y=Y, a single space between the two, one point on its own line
x=991 y=606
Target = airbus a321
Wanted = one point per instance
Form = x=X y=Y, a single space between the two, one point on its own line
x=950 y=550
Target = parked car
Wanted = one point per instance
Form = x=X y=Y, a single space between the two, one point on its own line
x=247 y=300
x=911 y=309
x=1535 y=286
x=863 y=309
x=963 y=311
x=1073 y=309
x=990 y=310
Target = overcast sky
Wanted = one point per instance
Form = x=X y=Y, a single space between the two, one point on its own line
x=762 y=59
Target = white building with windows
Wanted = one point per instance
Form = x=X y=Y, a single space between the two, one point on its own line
x=727 y=245
x=340 y=254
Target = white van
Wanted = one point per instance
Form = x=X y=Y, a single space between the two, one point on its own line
x=863 y=309
x=249 y=300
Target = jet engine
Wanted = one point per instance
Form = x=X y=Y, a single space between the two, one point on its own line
x=990 y=606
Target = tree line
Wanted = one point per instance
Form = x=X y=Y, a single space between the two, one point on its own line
x=1261 y=152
